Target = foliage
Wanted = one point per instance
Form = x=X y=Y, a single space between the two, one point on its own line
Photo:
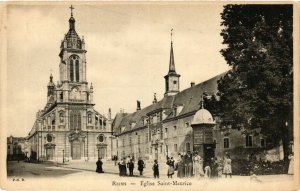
x=258 y=90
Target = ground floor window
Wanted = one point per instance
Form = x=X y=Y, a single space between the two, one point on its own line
x=226 y=142
x=249 y=141
x=175 y=147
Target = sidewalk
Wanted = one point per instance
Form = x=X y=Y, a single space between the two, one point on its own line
x=110 y=168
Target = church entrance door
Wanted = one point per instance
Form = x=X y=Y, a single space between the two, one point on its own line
x=49 y=153
x=76 y=152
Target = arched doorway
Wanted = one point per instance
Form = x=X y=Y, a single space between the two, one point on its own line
x=76 y=150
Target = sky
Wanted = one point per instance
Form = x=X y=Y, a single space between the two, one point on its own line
x=128 y=50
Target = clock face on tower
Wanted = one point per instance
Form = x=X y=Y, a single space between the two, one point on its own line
x=75 y=94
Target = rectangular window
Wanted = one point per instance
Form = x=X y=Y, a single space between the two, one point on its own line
x=129 y=140
x=139 y=139
x=160 y=149
x=249 y=142
x=117 y=143
x=123 y=142
x=175 y=147
x=146 y=137
x=262 y=142
x=150 y=150
x=188 y=147
x=226 y=143
x=147 y=151
x=139 y=150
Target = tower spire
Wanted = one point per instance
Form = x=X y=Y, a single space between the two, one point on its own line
x=172 y=63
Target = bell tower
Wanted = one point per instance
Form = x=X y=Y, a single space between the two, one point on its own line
x=72 y=55
x=73 y=87
x=172 y=78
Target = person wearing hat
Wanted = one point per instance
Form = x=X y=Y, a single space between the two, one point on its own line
x=188 y=160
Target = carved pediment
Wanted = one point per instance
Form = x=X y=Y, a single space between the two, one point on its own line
x=79 y=135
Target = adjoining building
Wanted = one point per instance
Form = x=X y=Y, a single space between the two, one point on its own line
x=178 y=123
x=16 y=148
x=69 y=128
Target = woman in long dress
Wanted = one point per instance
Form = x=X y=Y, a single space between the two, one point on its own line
x=170 y=163
x=291 y=165
x=99 y=164
x=198 y=166
x=227 y=166
x=180 y=168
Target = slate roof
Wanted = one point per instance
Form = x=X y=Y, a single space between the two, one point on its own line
x=189 y=98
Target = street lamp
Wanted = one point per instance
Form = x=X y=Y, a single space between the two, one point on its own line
x=63 y=151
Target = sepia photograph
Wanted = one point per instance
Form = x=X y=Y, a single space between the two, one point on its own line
x=149 y=95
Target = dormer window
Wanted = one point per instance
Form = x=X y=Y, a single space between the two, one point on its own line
x=174 y=82
x=122 y=128
x=175 y=111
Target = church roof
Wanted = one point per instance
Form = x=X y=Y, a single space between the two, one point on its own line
x=189 y=99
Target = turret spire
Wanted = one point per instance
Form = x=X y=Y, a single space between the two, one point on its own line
x=172 y=78
x=172 y=63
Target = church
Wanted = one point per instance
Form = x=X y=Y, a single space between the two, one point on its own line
x=69 y=128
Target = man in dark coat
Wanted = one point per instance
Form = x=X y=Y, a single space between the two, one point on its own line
x=155 y=169
x=188 y=160
x=141 y=166
x=131 y=167
x=99 y=164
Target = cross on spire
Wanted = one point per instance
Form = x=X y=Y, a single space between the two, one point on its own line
x=172 y=35
x=71 y=10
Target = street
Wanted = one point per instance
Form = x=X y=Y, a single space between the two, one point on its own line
x=83 y=175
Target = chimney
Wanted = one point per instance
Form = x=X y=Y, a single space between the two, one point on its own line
x=192 y=84
x=138 y=105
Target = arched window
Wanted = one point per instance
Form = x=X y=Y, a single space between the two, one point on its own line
x=49 y=138
x=74 y=68
x=75 y=120
x=71 y=71
x=77 y=70
x=101 y=138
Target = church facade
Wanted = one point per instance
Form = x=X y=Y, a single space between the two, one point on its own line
x=179 y=123
x=69 y=128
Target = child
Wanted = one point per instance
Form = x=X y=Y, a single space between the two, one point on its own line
x=155 y=169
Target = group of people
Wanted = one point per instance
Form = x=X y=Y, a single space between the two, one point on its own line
x=192 y=165
x=128 y=162
x=187 y=166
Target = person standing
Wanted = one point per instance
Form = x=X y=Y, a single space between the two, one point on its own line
x=227 y=166
x=188 y=159
x=180 y=167
x=170 y=164
x=291 y=165
x=131 y=167
x=198 y=166
x=155 y=169
x=214 y=167
x=99 y=164
x=141 y=166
